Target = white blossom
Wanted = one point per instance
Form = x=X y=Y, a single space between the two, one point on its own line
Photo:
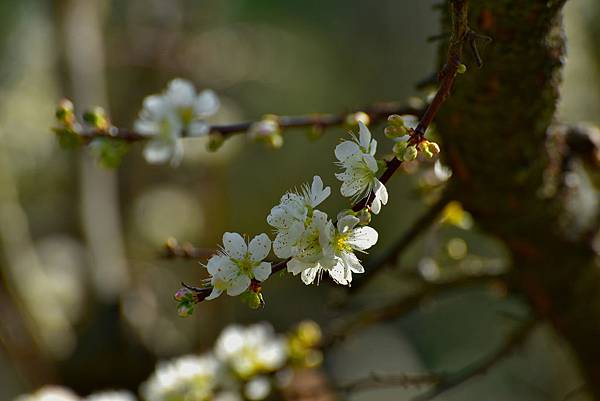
x=111 y=396
x=293 y=216
x=359 y=179
x=252 y=350
x=168 y=116
x=338 y=246
x=50 y=393
x=189 y=377
x=234 y=267
x=258 y=388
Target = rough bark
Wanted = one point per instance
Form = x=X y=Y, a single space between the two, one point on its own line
x=494 y=129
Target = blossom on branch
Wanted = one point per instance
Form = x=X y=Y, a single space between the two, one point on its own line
x=359 y=179
x=177 y=112
x=234 y=267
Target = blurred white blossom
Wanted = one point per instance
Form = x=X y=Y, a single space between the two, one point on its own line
x=187 y=378
x=234 y=267
x=359 y=179
x=168 y=116
x=50 y=393
x=251 y=350
x=111 y=396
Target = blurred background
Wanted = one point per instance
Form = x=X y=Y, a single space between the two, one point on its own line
x=85 y=296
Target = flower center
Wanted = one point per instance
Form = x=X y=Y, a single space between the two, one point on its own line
x=341 y=243
x=245 y=265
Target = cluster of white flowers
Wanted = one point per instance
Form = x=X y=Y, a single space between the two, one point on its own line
x=309 y=241
x=168 y=116
x=238 y=369
x=55 y=393
x=241 y=366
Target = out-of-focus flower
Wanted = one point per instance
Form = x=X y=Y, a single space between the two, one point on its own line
x=50 y=393
x=111 y=396
x=252 y=350
x=257 y=388
x=167 y=117
x=234 y=267
x=187 y=378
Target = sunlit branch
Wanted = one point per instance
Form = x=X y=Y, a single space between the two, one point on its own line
x=376 y=112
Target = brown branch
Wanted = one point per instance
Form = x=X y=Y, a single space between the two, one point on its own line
x=383 y=380
x=451 y=381
x=376 y=112
x=345 y=326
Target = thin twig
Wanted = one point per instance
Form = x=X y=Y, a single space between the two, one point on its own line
x=376 y=112
x=451 y=381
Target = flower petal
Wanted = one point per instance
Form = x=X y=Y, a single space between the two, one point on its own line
x=345 y=150
x=214 y=294
x=158 y=151
x=234 y=245
x=296 y=266
x=347 y=223
x=206 y=104
x=197 y=129
x=259 y=247
x=219 y=265
x=363 y=238
x=181 y=93
x=238 y=285
x=364 y=135
x=317 y=192
x=308 y=275
x=262 y=271
x=338 y=274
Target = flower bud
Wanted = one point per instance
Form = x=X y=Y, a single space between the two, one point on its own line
x=183 y=294
x=64 y=112
x=396 y=120
x=215 y=141
x=364 y=216
x=309 y=333
x=96 y=118
x=185 y=309
x=410 y=153
x=461 y=69
x=399 y=148
x=394 y=131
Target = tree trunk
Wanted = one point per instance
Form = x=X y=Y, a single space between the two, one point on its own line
x=494 y=129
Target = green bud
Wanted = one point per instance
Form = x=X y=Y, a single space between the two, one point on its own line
x=275 y=141
x=394 y=131
x=410 y=153
x=215 y=141
x=64 y=112
x=434 y=148
x=461 y=69
x=364 y=216
x=399 y=149
x=67 y=138
x=253 y=299
x=185 y=309
x=396 y=120
x=96 y=118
